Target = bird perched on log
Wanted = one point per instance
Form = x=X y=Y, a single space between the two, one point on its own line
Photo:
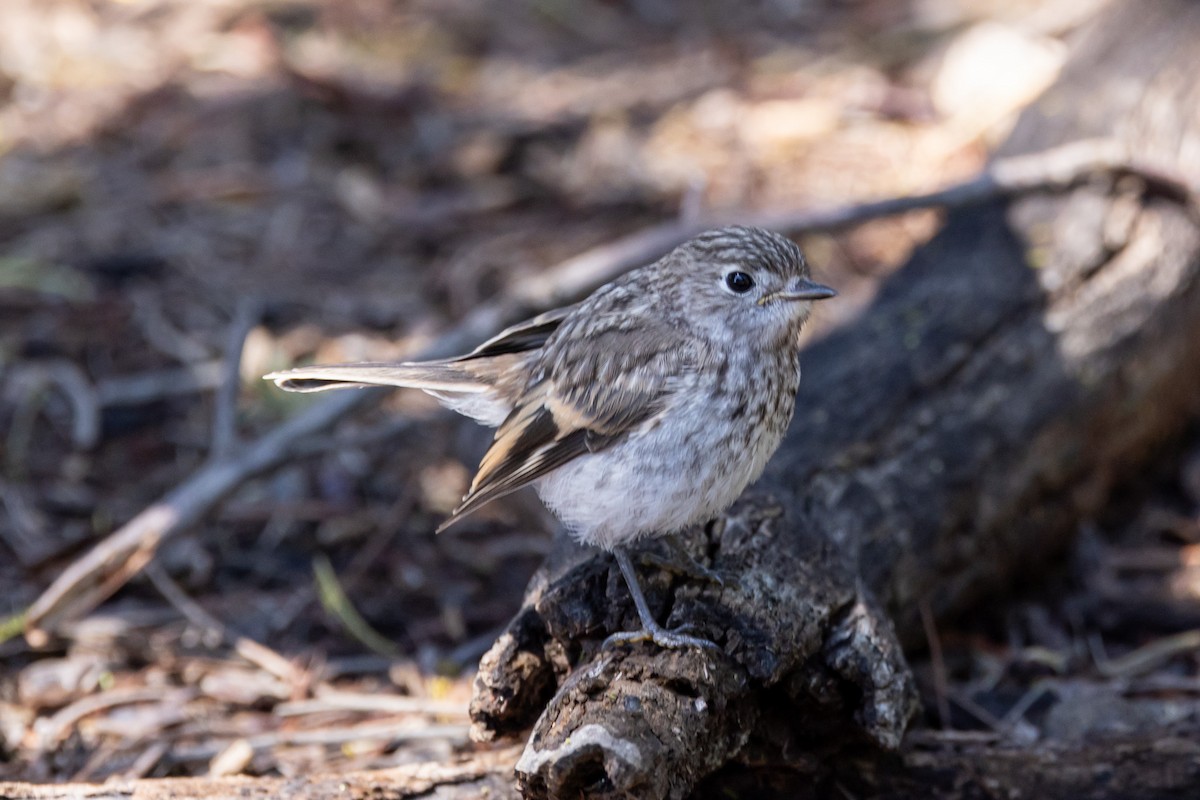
x=645 y=408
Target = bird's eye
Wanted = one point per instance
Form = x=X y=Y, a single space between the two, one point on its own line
x=739 y=282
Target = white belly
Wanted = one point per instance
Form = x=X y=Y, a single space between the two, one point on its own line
x=659 y=480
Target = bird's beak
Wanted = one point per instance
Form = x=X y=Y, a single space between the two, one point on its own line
x=803 y=290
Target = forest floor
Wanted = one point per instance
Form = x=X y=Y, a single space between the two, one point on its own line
x=340 y=181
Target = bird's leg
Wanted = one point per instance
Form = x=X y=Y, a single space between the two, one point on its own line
x=651 y=630
x=680 y=562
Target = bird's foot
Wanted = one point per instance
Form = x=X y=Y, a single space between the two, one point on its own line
x=651 y=630
x=668 y=640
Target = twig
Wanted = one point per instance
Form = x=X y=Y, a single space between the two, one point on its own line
x=926 y=737
x=1055 y=169
x=87 y=400
x=234 y=759
x=103 y=754
x=336 y=700
x=361 y=664
x=27 y=531
x=160 y=333
x=258 y=654
x=224 y=427
x=101 y=571
x=400 y=731
x=391 y=732
x=1014 y=719
x=128 y=390
x=1146 y=657
x=1159 y=684
x=146 y=761
x=937 y=662
x=106 y=567
x=52 y=730
x=386 y=431
x=981 y=714
x=26 y=382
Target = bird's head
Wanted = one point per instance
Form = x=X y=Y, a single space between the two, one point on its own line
x=746 y=281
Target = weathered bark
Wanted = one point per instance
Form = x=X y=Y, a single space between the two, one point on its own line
x=1162 y=766
x=1028 y=359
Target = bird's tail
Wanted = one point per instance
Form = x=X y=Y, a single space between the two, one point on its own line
x=435 y=376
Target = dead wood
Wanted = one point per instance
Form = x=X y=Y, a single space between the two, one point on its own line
x=1027 y=360
x=1165 y=764
x=486 y=774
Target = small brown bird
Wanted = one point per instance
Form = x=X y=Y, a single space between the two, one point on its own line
x=645 y=408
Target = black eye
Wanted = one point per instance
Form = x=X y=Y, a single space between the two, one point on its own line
x=739 y=282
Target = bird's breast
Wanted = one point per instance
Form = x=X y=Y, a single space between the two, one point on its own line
x=683 y=466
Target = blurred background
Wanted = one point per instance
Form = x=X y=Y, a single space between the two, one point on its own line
x=334 y=180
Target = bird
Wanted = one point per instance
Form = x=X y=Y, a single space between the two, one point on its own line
x=647 y=407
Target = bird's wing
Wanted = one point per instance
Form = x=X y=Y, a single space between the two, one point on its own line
x=522 y=337
x=473 y=373
x=584 y=399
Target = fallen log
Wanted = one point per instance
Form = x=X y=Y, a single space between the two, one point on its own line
x=1163 y=764
x=1026 y=361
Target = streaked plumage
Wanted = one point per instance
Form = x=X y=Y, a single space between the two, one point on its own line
x=642 y=409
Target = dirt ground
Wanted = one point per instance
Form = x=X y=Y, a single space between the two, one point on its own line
x=334 y=181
